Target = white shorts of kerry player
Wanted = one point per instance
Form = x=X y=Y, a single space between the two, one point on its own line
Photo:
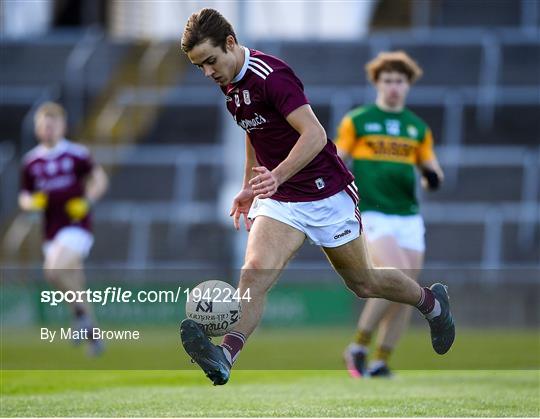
x=408 y=230
x=328 y=222
x=74 y=238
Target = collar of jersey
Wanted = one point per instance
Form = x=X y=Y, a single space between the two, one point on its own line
x=50 y=153
x=240 y=75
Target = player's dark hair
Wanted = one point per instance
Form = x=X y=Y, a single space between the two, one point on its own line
x=398 y=61
x=207 y=24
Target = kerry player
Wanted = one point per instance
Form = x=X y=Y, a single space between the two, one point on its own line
x=387 y=142
x=295 y=186
x=60 y=179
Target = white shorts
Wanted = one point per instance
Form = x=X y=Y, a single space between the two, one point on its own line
x=408 y=230
x=328 y=222
x=75 y=238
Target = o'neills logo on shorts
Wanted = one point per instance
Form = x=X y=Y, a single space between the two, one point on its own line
x=340 y=235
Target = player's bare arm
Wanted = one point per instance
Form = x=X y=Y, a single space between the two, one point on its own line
x=243 y=200
x=97 y=184
x=24 y=200
x=251 y=162
x=310 y=143
x=29 y=201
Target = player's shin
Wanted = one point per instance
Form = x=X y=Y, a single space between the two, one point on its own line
x=254 y=283
x=372 y=313
x=392 y=284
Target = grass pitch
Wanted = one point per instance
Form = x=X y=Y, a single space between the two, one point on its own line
x=269 y=393
x=505 y=381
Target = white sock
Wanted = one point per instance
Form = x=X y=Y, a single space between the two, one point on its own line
x=435 y=312
x=356 y=347
x=376 y=364
x=227 y=355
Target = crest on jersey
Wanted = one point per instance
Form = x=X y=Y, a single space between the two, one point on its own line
x=237 y=100
x=247 y=98
x=392 y=126
x=373 y=127
x=412 y=131
x=67 y=164
x=51 y=168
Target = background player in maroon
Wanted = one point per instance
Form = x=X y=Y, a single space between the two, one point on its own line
x=60 y=179
x=295 y=186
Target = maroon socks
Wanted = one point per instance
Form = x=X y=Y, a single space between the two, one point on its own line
x=428 y=304
x=232 y=344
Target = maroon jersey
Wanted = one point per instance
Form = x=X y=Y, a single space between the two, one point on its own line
x=59 y=173
x=260 y=97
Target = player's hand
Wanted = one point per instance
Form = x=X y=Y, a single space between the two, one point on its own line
x=265 y=184
x=38 y=201
x=241 y=205
x=77 y=208
x=430 y=180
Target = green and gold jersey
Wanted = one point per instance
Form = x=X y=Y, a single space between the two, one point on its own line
x=385 y=147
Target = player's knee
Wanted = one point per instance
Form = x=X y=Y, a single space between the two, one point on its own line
x=51 y=273
x=259 y=263
x=252 y=264
x=257 y=275
x=251 y=273
x=54 y=268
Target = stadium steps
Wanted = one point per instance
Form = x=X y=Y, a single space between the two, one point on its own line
x=185 y=124
x=112 y=122
x=204 y=243
x=20 y=59
x=487 y=13
x=481 y=184
x=520 y=65
x=104 y=118
x=22 y=85
x=11 y=117
x=446 y=65
x=516 y=249
x=391 y=14
x=343 y=63
x=513 y=124
x=183 y=121
x=20 y=234
x=205 y=189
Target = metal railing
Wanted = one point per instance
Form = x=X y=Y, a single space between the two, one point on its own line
x=183 y=210
x=485 y=96
x=7 y=178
